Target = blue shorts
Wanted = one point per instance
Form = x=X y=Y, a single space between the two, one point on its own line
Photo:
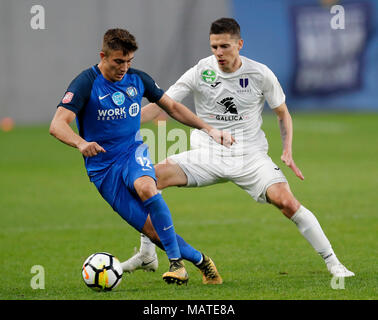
x=117 y=186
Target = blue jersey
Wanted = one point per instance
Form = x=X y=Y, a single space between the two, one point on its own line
x=109 y=113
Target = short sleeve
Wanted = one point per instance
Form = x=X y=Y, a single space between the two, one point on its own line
x=78 y=92
x=272 y=89
x=151 y=90
x=183 y=86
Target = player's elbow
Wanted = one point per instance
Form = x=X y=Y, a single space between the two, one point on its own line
x=53 y=129
x=282 y=112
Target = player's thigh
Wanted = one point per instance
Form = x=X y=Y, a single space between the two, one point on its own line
x=139 y=173
x=138 y=165
x=130 y=207
x=121 y=198
x=257 y=175
x=199 y=171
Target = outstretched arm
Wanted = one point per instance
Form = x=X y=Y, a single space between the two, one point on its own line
x=60 y=129
x=182 y=114
x=286 y=129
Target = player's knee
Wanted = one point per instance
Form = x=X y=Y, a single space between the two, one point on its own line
x=285 y=202
x=281 y=196
x=289 y=205
x=145 y=190
x=148 y=191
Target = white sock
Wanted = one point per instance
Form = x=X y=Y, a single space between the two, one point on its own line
x=310 y=228
x=147 y=247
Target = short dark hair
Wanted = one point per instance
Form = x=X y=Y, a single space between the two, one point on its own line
x=119 y=39
x=225 y=25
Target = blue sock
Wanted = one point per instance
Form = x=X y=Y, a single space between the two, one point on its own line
x=163 y=224
x=188 y=252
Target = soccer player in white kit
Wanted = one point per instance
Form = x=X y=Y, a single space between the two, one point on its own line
x=229 y=93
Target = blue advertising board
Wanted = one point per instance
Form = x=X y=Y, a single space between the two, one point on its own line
x=321 y=63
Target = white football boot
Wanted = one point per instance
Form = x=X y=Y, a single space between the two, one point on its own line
x=339 y=270
x=140 y=261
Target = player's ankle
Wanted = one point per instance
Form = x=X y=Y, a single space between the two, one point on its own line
x=330 y=258
x=147 y=247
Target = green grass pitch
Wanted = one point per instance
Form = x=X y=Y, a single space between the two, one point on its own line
x=52 y=216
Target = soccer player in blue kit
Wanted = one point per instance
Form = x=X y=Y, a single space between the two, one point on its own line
x=106 y=102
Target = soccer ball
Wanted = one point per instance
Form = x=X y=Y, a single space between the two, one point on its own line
x=102 y=271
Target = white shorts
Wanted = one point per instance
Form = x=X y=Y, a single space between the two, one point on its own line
x=254 y=174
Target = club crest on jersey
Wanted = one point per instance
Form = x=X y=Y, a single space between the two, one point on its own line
x=243 y=82
x=118 y=98
x=209 y=76
x=132 y=92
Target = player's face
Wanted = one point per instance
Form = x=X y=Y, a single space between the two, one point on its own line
x=115 y=64
x=226 y=49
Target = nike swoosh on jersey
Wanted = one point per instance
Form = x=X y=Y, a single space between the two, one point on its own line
x=103 y=97
x=165 y=229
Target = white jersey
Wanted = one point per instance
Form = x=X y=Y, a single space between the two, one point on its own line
x=230 y=101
